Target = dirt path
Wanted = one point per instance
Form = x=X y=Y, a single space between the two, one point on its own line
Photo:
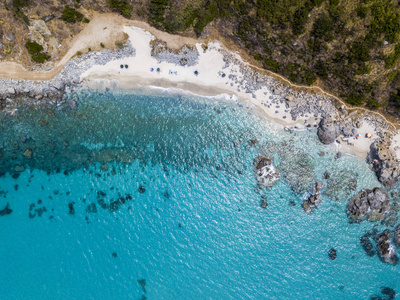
x=108 y=28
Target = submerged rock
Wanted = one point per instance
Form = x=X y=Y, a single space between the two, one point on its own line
x=267 y=175
x=388 y=291
x=6 y=211
x=367 y=245
x=341 y=184
x=386 y=249
x=371 y=205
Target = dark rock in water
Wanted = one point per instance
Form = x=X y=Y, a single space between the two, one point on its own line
x=327 y=175
x=321 y=153
x=328 y=130
x=31 y=215
x=104 y=167
x=396 y=236
x=253 y=142
x=264 y=202
x=15 y=175
x=114 y=206
x=386 y=250
x=71 y=208
x=114 y=254
x=39 y=201
x=91 y=208
x=384 y=162
x=332 y=254
x=121 y=200
x=31 y=206
x=314 y=200
x=338 y=155
x=16 y=187
x=101 y=194
x=6 y=211
x=391 y=293
x=292 y=203
x=102 y=204
x=142 y=283
x=166 y=195
x=374 y=297
x=141 y=189
x=267 y=175
x=128 y=197
x=371 y=205
x=367 y=245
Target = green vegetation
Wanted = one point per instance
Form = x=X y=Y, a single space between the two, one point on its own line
x=71 y=15
x=119 y=44
x=35 y=50
x=391 y=59
x=122 y=6
x=18 y=5
x=102 y=45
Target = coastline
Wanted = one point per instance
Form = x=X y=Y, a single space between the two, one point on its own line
x=203 y=69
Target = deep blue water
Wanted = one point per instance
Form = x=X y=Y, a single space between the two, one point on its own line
x=188 y=224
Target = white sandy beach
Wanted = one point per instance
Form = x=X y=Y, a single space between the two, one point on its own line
x=212 y=79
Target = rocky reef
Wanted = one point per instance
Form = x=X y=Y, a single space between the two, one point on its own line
x=267 y=174
x=384 y=162
x=371 y=205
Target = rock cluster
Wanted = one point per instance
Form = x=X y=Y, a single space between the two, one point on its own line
x=267 y=174
x=314 y=200
x=328 y=130
x=384 y=162
x=184 y=57
x=371 y=205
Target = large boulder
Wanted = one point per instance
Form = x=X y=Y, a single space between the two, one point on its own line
x=384 y=162
x=267 y=174
x=386 y=250
x=371 y=205
x=328 y=130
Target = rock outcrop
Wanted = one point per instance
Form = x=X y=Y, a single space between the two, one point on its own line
x=314 y=200
x=328 y=130
x=371 y=205
x=267 y=175
x=386 y=249
x=384 y=162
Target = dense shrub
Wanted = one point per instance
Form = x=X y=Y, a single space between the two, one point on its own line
x=323 y=27
x=123 y=6
x=35 y=50
x=355 y=98
x=71 y=15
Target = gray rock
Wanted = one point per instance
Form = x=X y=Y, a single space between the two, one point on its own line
x=384 y=162
x=328 y=131
x=371 y=205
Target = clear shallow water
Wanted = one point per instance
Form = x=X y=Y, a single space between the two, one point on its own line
x=196 y=230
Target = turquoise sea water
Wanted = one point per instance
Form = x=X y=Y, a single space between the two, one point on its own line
x=177 y=213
